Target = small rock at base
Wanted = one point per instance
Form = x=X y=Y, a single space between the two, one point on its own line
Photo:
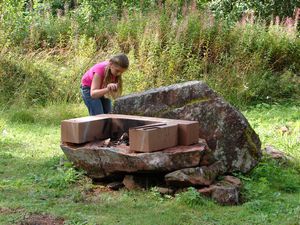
x=165 y=190
x=115 y=185
x=233 y=180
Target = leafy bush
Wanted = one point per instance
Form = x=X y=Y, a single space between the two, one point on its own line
x=22 y=82
x=49 y=31
x=192 y=198
x=233 y=10
x=22 y=116
x=64 y=176
x=2 y=125
x=63 y=179
x=13 y=20
x=247 y=62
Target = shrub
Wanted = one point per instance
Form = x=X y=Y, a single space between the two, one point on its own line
x=192 y=198
x=49 y=31
x=2 y=125
x=63 y=179
x=22 y=82
x=247 y=62
x=233 y=10
x=64 y=174
x=22 y=116
x=14 y=21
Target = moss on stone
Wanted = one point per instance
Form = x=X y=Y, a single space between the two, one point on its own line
x=254 y=151
x=171 y=108
x=197 y=100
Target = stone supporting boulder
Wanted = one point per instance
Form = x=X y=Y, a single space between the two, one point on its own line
x=226 y=131
x=142 y=181
x=204 y=175
x=276 y=154
x=225 y=192
x=101 y=162
x=131 y=183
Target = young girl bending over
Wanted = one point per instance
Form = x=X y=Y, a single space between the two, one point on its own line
x=103 y=81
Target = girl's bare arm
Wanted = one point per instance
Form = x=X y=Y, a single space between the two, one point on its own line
x=96 y=90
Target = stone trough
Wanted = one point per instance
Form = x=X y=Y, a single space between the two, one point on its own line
x=155 y=144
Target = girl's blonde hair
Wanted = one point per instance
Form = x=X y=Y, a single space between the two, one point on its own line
x=120 y=60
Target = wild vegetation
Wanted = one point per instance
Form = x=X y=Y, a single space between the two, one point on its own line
x=46 y=47
x=248 y=51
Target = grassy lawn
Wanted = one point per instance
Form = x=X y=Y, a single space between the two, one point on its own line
x=35 y=180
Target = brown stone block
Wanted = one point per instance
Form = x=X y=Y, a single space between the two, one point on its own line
x=188 y=132
x=85 y=129
x=153 y=137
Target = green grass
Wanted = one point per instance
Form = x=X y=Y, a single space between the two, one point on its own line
x=35 y=179
x=269 y=121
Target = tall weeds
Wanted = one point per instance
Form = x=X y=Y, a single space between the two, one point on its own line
x=248 y=62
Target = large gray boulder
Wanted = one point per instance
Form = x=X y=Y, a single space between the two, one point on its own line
x=226 y=131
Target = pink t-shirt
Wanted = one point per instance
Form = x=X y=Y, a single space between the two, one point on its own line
x=99 y=69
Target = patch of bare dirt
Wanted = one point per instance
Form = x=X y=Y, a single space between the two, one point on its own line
x=37 y=219
x=96 y=191
x=94 y=194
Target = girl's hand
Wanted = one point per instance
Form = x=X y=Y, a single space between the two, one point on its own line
x=112 y=87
